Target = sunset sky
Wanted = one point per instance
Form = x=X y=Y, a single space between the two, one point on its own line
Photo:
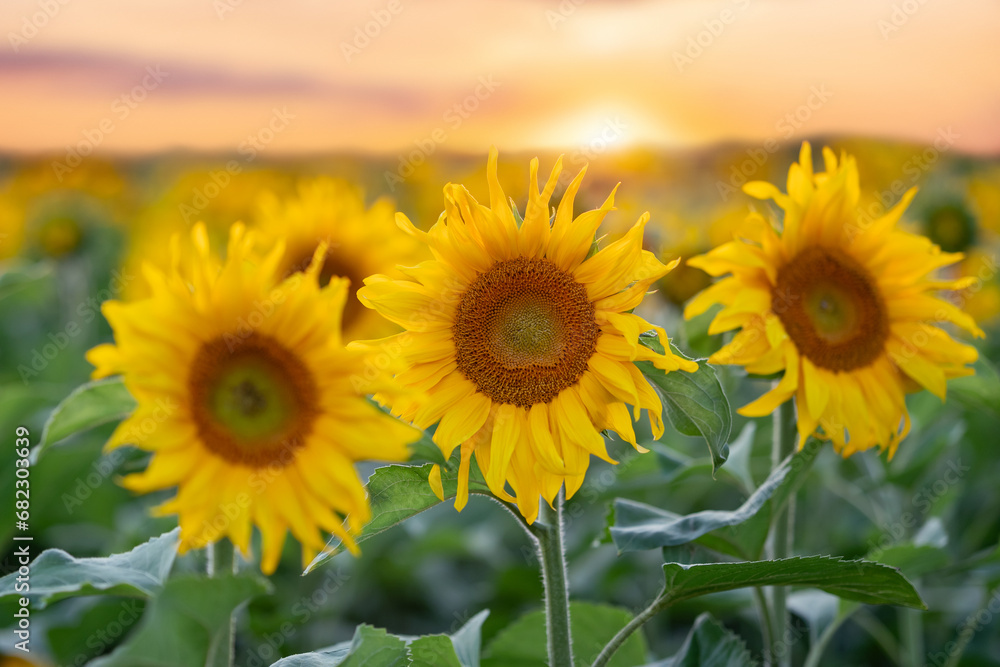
x=304 y=74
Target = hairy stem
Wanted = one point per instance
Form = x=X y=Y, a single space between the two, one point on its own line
x=221 y=563
x=552 y=556
x=782 y=530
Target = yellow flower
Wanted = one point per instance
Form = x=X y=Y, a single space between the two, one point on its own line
x=519 y=343
x=248 y=400
x=842 y=304
x=359 y=241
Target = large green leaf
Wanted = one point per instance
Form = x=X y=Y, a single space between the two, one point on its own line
x=88 y=405
x=740 y=532
x=523 y=643
x=138 y=573
x=188 y=623
x=639 y=526
x=980 y=391
x=694 y=402
x=374 y=647
x=399 y=492
x=862 y=581
x=710 y=645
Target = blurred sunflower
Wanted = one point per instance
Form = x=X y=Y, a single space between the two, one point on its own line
x=248 y=400
x=845 y=309
x=359 y=241
x=213 y=197
x=519 y=343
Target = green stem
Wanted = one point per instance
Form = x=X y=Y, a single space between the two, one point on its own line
x=763 y=612
x=782 y=529
x=641 y=618
x=222 y=562
x=911 y=626
x=552 y=556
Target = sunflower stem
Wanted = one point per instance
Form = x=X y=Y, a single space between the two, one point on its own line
x=552 y=556
x=221 y=562
x=782 y=532
x=608 y=652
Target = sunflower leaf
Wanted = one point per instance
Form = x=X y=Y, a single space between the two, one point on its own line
x=523 y=642
x=709 y=644
x=87 y=406
x=858 y=580
x=186 y=624
x=399 y=492
x=639 y=526
x=695 y=403
x=56 y=575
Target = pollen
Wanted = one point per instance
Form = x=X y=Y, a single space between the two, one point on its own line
x=524 y=331
x=253 y=401
x=831 y=308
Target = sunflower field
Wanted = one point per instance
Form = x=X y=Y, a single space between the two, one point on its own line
x=726 y=405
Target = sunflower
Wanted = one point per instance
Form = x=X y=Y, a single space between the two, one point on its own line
x=846 y=309
x=360 y=241
x=519 y=343
x=248 y=400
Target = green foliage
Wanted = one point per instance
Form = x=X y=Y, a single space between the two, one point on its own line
x=89 y=405
x=710 y=645
x=694 y=402
x=862 y=581
x=374 y=647
x=188 y=623
x=523 y=642
x=56 y=575
x=399 y=492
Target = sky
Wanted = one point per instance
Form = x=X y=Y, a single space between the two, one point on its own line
x=385 y=76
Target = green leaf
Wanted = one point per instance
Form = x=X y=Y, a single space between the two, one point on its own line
x=468 y=640
x=710 y=645
x=523 y=643
x=89 y=405
x=862 y=581
x=374 y=647
x=740 y=533
x=980 y=391
x=138 y=573
x=639 y=526
x=370 y=647
x=433 y=651
x=187 y=623
x=694 y=402
x=399 y=492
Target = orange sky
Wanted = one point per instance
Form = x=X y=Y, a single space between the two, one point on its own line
x=524 y=73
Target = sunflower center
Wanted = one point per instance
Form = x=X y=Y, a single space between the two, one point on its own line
x=524 y=331
x=831 y=309
x=253 y=401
